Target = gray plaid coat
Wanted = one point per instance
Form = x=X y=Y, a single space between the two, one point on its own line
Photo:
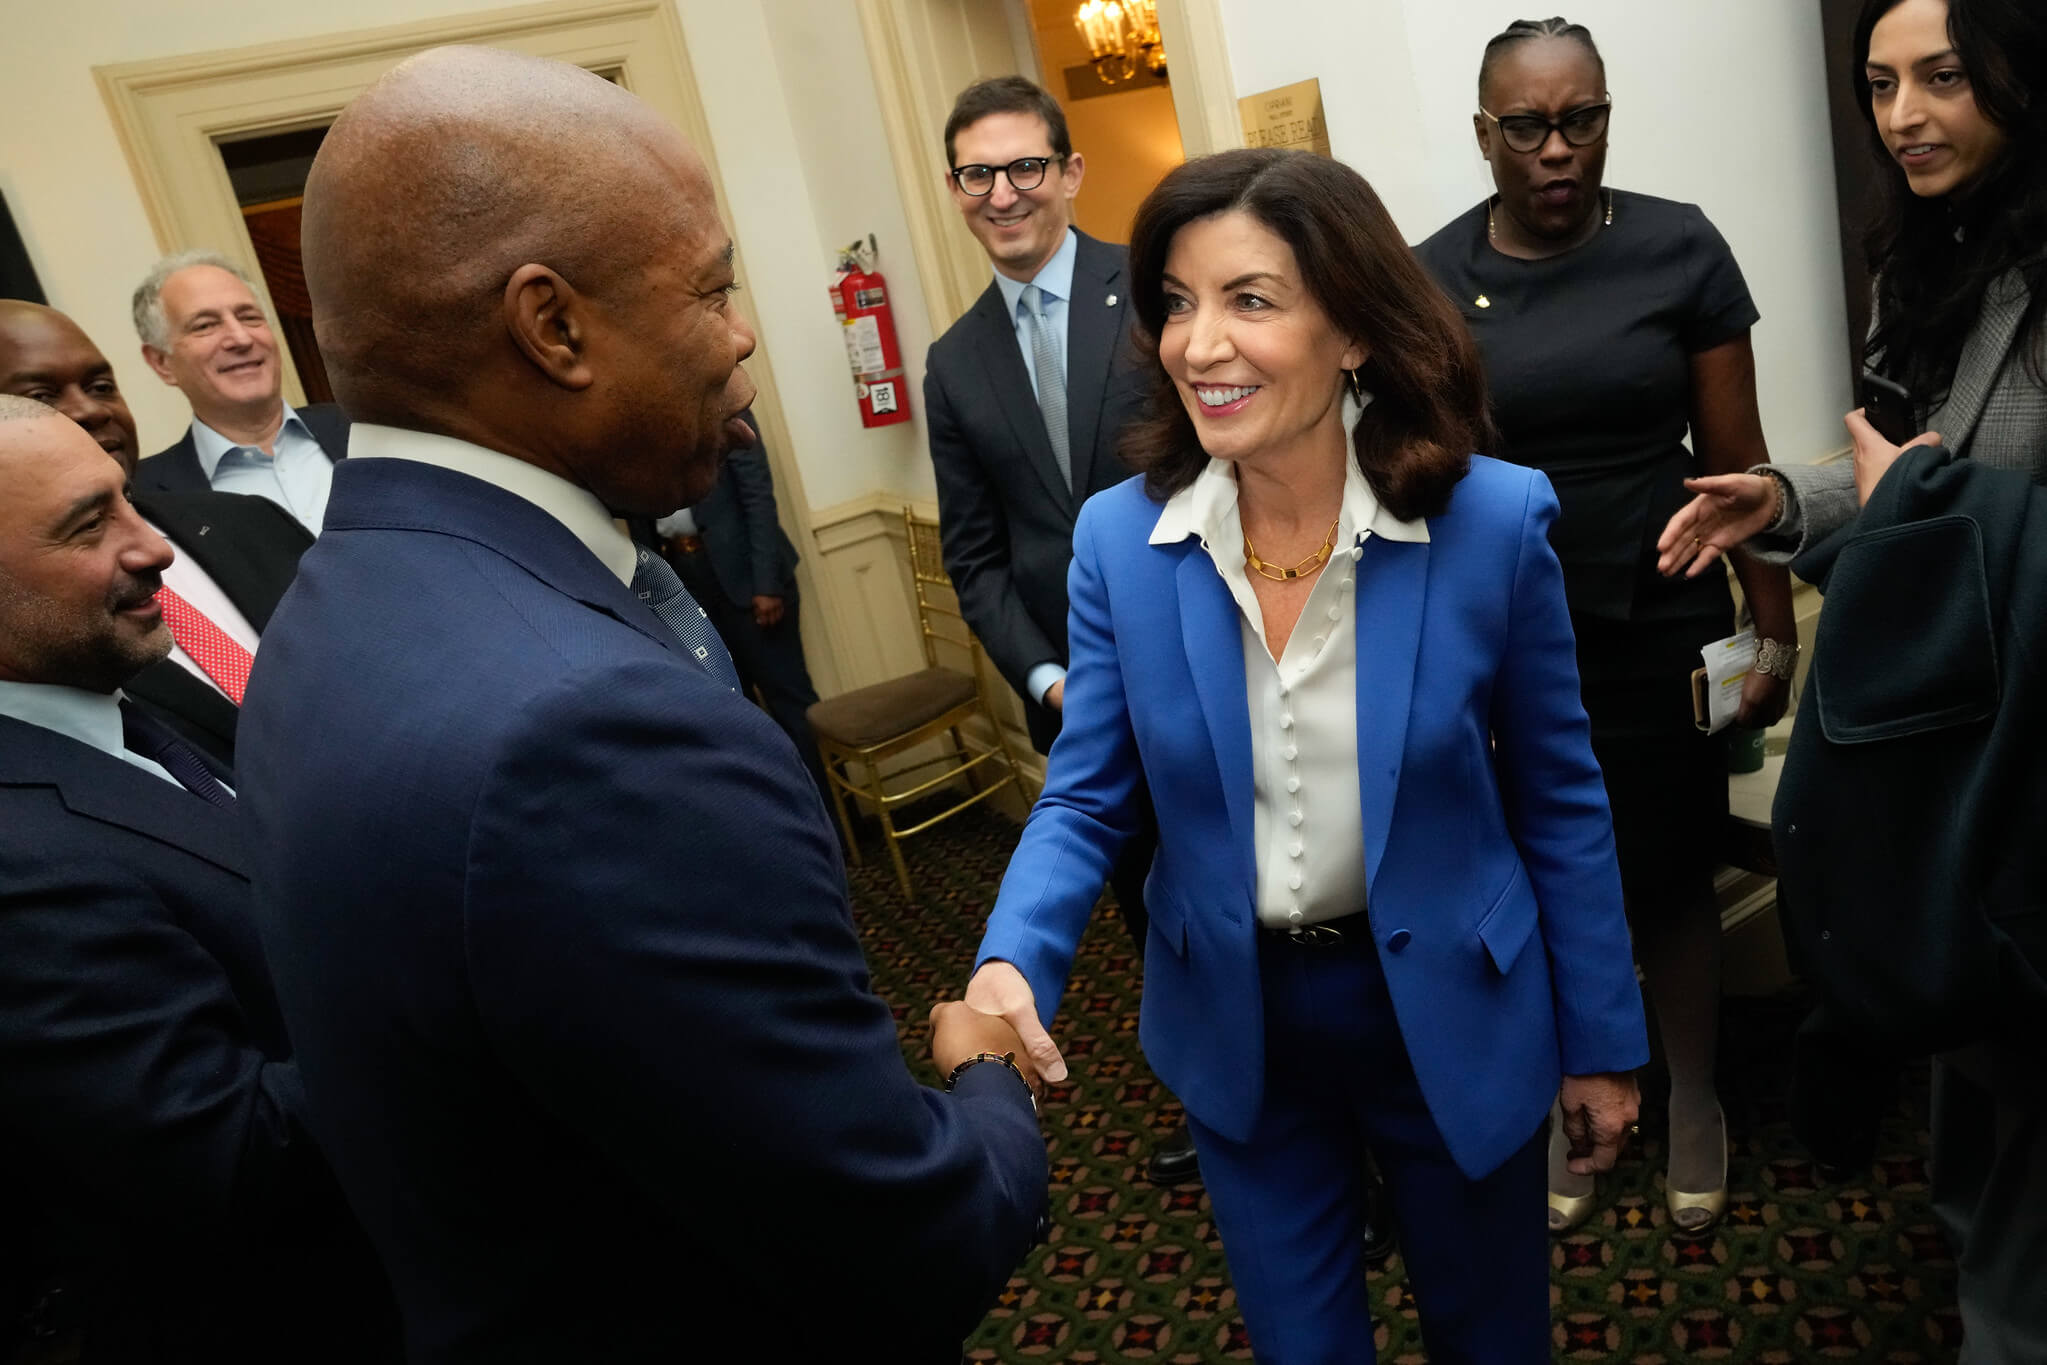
x=1994 y=413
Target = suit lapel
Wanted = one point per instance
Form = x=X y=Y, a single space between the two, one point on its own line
x=1093 y=329
x=1392 y=583
x=100 y=787
x=249 y=547
x=1982 y=361
x=1010 y=382
x=1211 y=632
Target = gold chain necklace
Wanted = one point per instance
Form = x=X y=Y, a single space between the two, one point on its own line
x=1300 y=570
x=1492 y=229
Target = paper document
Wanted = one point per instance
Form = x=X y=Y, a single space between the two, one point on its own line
x=1716 y=688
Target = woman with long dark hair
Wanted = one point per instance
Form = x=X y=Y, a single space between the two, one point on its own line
x=1385 y=908
x=1956 y=96
x=1613 y=325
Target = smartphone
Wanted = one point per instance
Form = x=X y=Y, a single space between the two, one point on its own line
x=1888 y=407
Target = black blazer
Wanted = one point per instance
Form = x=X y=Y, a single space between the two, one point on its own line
x=750 y=556
x=1006 y=517
x=150 y=1112
x=250 y=548
x=175 y=469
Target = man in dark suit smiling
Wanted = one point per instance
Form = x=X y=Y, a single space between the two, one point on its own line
x=236 y=554
x=151 y=1115
x=1025 y=397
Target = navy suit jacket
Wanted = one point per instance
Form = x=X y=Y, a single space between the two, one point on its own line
x=561 y=932
x=176 y=468
x=1005 y=514
x=149 y=1107
x=1492 y=887
x=250 y=548
x=750 y=554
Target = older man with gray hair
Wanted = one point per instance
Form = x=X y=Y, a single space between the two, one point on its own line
x=206 y=335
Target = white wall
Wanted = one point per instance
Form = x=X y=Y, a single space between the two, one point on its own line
x=792 y=112
x=1721 y=103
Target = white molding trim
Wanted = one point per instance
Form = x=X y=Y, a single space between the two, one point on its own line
x=1204 y=90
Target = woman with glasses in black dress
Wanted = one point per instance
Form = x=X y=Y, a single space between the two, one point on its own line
x=1612 y=325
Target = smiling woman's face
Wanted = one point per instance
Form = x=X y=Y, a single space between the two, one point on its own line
x=1257 y=362
x=1924 y=107
x=1552 y=191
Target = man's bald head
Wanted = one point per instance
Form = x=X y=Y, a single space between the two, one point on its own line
x=44 y=355
x=483 y=232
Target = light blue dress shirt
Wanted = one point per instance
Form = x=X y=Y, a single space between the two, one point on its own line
x=1055 y=282
x=91 y=718
x=297 y=478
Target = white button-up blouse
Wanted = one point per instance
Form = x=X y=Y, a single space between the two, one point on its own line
x=1309 y=823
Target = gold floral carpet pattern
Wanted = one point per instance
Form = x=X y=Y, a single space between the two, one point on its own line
x=1799 y=1270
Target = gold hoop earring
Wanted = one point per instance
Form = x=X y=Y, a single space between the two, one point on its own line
x=1357 y=386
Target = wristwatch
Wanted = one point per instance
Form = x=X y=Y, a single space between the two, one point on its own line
x=1776 y=658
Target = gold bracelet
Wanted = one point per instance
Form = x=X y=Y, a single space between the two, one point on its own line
x=1776 y=659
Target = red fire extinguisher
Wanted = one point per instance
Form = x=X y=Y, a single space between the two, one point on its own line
x=860 y=299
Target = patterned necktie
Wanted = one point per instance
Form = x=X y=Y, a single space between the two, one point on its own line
x=212 y=648
x=656 y=584
x=145 y=735
x=1051 y=378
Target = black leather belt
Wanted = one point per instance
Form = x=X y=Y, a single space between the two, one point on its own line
x=1352 y=929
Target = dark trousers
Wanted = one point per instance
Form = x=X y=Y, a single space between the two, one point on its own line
x=1290 y=1203
x=770 y=661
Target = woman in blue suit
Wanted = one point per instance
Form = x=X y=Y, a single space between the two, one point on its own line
x=1385 y=909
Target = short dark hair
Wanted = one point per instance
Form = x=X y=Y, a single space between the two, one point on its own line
x=1007 y=95
x=1522 y=30
x=1428 y=412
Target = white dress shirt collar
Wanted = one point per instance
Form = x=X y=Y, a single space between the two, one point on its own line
x=212 y=447
x=91 y=718
x=573 y=506
x=1207 y=508
x=1054 y=279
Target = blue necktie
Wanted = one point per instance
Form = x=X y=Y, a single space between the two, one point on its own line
x=657 y=585
x=145 y=735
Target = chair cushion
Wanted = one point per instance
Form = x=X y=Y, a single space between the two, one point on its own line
x=870 y=715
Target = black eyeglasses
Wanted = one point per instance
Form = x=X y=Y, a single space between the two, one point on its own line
x=1527 y=132
x=1025 y=173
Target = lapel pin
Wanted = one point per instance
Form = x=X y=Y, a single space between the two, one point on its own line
x=1483 y=302
x=1110 y=301
x=204 y=529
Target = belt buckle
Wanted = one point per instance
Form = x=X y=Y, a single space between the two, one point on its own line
x=1315 y=935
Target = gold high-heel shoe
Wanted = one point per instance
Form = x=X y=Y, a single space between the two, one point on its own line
x=1704 y=1210
x=1568 y=1211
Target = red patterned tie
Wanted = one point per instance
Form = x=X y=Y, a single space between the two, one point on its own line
x=224 y=661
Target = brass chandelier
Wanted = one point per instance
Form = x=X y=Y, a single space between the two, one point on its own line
x=1122 y=35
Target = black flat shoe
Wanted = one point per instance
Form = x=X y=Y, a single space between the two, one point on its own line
x=1381 y=1240
x=1172 y=1159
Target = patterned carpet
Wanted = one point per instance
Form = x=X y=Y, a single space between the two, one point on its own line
x=1799 y=1271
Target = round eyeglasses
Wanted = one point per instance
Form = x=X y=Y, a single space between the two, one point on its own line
x=1025 y=173
x=1527 y=132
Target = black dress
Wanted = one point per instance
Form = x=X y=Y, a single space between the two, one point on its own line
x=1588 y=360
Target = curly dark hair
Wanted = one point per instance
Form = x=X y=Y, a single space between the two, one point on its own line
x=1428 y=414
x=1935 y=258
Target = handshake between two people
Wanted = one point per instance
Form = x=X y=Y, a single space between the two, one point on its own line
x=999 y=1015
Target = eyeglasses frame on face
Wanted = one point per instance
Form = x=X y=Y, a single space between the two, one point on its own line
x=1604 y=103
x=1008 y=172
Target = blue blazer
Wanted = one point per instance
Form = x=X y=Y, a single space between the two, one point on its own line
x=1491 y=882
x=561 y=934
